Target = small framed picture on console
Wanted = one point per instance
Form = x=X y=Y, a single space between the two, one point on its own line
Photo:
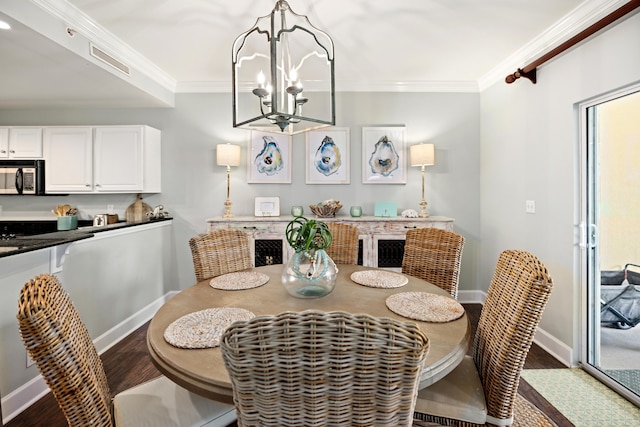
x=267 y=206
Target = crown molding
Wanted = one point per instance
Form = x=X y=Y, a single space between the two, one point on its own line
x=79 y=22
x=586 y=14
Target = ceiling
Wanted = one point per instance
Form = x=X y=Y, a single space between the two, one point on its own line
x=177 y=46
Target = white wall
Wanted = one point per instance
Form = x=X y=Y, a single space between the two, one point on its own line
x=194 y=188
x=529 y=150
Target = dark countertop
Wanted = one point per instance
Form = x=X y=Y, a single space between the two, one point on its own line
x=22 y=244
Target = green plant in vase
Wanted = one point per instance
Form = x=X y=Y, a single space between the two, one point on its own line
x=310 y=272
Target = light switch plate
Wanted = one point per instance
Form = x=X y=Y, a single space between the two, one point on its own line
x=530 y=206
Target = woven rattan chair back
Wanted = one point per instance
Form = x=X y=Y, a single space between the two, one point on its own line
x=434 y=255
x=516 y=298
x=344 y=246
x=219 y=252
x=58 y=341
x=324 y=369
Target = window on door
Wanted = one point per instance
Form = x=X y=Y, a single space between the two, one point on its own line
x=611 y=229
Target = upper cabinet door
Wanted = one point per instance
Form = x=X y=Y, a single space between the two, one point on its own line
x=25 y=143
x=68 y=154
x=4 y=143
x=118 y=159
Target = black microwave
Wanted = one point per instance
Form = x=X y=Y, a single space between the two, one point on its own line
x=22 y=177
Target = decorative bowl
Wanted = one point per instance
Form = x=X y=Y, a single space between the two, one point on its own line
x=325 y=211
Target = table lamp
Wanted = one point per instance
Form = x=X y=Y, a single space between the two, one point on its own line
x=228 y=155
x=422 y=155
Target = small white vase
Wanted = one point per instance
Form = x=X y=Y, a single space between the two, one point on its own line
x=309 y=274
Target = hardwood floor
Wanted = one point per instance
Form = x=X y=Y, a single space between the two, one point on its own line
x=128 y=364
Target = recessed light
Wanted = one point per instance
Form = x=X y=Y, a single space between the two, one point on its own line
x=4 y=25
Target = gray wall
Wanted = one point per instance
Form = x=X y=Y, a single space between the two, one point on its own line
x=194 y=188
x=529 y=150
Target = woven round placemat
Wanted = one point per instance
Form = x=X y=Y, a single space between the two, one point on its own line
x=425 y=306
x=379 y=279
x=203 y=329
x=239 y=280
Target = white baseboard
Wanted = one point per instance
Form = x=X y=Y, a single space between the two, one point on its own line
x=471 y=297
x=554 y=347
x=27 y=394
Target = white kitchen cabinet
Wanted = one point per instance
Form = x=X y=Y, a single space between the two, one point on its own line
x=126 y=159
x=4 y=143
x=104 y=159
x=68 y=153
x=21 y=143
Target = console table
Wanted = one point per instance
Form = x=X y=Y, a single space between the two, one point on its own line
x=381 y=238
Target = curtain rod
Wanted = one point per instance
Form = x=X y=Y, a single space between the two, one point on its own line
x=529 y=71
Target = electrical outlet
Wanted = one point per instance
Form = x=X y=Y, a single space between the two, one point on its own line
x=29 y=361
x=530 y=206
x=110 y=209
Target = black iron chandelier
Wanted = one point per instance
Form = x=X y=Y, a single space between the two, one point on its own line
x=274 y=62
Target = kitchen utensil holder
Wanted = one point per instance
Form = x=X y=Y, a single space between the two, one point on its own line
x=68 y=222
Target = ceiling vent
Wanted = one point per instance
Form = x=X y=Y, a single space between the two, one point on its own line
x=103 y=56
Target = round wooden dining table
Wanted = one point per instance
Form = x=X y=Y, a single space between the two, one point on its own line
x=202 y=371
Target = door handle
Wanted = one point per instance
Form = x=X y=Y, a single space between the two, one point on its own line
x=590 y=241
x=593 y=229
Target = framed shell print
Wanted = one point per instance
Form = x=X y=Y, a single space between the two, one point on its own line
x=269 y=158
x=384 y=155
x=327 y=156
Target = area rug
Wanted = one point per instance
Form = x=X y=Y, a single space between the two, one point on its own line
x=582 y=399
x=525 y=414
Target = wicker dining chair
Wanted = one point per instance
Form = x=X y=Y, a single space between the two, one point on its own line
x=482 y=389
x=434 y=255
x=316 y=368
x=344 y=246
x=219 y=252
x=58 y=341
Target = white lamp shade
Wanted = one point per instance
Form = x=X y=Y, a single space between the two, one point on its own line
x=228 y=155
x=422 y=154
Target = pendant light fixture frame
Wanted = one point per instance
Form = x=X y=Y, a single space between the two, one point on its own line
x=274 y=63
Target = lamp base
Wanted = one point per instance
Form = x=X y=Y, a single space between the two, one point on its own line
x=423 y=209
x=227 y=209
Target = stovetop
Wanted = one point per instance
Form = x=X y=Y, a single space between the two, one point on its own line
x=25 y=228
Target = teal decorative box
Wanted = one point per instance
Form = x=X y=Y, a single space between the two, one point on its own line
x=386 y=209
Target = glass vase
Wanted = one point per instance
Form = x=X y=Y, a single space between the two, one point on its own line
x=309 y=274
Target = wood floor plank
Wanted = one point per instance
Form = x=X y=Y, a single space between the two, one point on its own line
x=127 y=364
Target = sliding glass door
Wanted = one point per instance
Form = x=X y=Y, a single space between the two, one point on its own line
x=610 y=240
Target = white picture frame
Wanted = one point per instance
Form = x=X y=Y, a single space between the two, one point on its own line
x=267 y=206
x=384 y=157
x=333 y=166
x=269 y=158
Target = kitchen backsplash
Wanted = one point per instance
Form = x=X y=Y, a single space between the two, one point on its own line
x=88 y=205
